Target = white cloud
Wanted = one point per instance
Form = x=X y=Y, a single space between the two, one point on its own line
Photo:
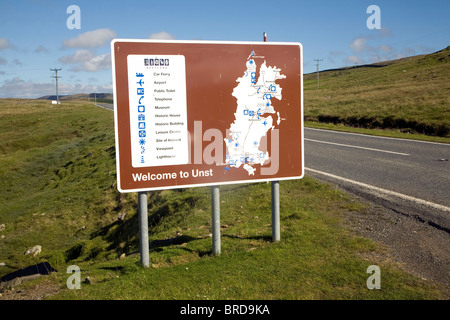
x=354 y=60
x=3 y=61
x=96 y=63
x=163 y=35
x=19 y=88
x=90 y=39
x=386 y=48
x=4 y=43
x=41 y=48
x=81 y=55
x=359 y=44
x=86 y=60
x=385 y=32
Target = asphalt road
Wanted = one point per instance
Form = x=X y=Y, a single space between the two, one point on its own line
x=108 y=106
x=410 y=176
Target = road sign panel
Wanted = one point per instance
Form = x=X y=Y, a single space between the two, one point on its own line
x=198 y=113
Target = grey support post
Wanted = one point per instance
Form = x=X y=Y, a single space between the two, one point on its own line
x=215 y=215
x=275 y=211
x=143 y=228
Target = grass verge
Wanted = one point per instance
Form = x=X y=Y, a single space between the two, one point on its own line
x=318 y=256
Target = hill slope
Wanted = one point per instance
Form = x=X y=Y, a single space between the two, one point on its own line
x=80 y=96
x=411 y=94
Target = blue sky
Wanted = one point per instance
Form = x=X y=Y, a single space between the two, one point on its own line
x=34 y=36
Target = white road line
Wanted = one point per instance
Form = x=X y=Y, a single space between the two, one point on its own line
x=358 y=147
x=104 y=107
x=388 y=192
x=378 y=137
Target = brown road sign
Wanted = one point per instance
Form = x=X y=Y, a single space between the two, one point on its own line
x=198 y=113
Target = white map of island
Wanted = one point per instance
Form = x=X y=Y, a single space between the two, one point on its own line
x=253 y=116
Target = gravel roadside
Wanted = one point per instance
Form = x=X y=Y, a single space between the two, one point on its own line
x=416 y=244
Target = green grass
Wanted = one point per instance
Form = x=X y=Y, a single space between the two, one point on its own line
x=317 y=258
x=58 y=190
x=411 y=95
x=57 y=169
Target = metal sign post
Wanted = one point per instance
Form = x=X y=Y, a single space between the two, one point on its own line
x=215 y=219
x=143 y=228
x=275 y=211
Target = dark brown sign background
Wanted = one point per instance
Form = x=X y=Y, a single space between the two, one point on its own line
x=212 y=69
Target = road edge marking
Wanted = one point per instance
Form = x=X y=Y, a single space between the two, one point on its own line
x=388 y=192
x=378 y=137
x=357 y=147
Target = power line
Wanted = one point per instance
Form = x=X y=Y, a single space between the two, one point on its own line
x=318 y=60
x=56 y=77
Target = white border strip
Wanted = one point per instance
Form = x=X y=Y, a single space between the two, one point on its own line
x=206 y=42
x=388 y=192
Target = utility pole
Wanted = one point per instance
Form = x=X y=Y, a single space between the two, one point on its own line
x=56 y=77
x=317 y=60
